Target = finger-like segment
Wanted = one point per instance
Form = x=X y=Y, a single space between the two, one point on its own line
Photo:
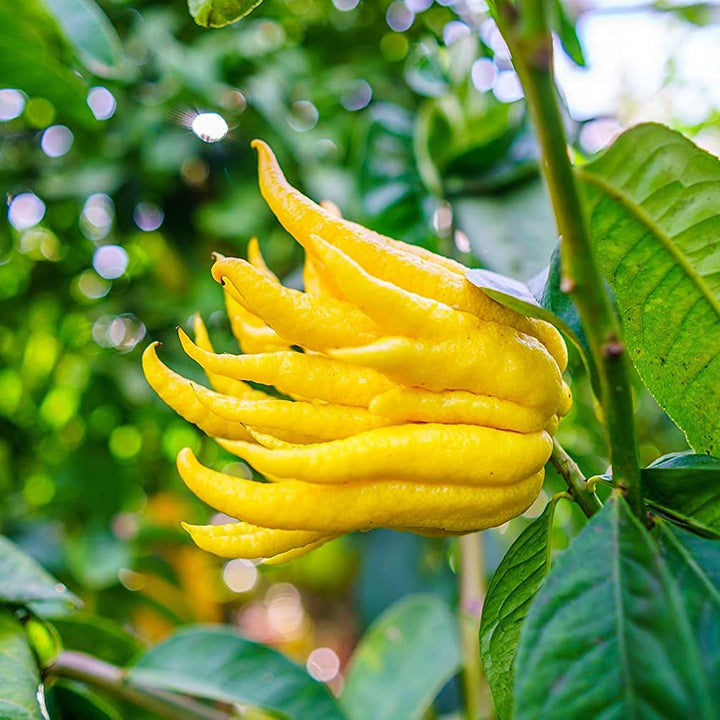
x=331 y=208
x=227 y=385
x=566 y=400
x=319 y=420
x=256 y=259
x=298 y=551
x=497 y=363
x=312 y=377
x=425 y=453
x=552 y=425
x=252 y=334
x=360 y=505
x=243 y=540
x=180 y=394
x=403 y=405
x=399 y=311
x=316 y=283
x=301 y=319
x=390 y=261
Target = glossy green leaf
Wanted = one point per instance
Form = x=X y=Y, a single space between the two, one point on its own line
x=653 y=205
x=686 y=488
x=402 y=661
x=19 y=677
x=608 y=635
x=216 y=663
x=510 y=593
x=218 y=13
x=22 y=580
x=91 y=34
x=695 y=565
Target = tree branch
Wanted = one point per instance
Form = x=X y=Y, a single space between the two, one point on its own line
x=526 y=30
x=111 y=679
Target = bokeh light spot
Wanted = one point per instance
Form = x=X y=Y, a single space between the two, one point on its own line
x=148 y=216
x=483 y=74
x=110 y=261
x=91 y=286
x=39 y=489
x=125 y=442
x=399 y=16
x=323 y=664
x=59 y=406
x=303 y=116
x=12 y=103
x=56 y=140
x=97 y=216
x=357 y=95
x=176 y=437
x=507 y=87
x=39 y=112
x=26 y=210
x=209 y=127
x=454 y=31
x=240 y=575
x=345 y=5
x=101 y=102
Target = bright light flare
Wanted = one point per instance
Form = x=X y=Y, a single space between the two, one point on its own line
x=209 y=127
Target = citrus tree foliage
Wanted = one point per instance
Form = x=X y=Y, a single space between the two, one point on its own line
x=115 y=204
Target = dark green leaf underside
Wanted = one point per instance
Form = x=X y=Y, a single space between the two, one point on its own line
x=686 y=488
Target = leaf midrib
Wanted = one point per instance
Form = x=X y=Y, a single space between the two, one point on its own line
x=636 y=210
x=626 y=679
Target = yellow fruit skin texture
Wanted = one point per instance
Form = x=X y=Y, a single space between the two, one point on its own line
x=412 y=400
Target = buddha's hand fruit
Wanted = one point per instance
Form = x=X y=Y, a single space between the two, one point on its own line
x=416 y=402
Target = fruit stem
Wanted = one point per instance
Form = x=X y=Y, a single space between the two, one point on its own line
x=576 y=481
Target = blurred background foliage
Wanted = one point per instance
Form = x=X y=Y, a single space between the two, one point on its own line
x=406 y=114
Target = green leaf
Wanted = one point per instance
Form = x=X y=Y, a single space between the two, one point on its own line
x=19 y=677
x=97 y=636
x=71 y=700
x=686 y=488
x=29 y=65
x=607 y=635
x=653 y=204
x=22 y=580
x=218 y=13
x=566 y=31
x=695 y=565
x=91 y=34
x=543 y=298
x=510 y=593
x=214 y=662
x=402 y=661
